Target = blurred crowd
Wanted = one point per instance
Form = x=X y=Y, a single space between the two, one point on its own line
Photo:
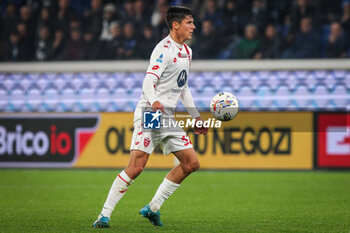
x=56 y=30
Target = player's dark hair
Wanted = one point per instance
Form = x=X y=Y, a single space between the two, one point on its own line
x=176 y=13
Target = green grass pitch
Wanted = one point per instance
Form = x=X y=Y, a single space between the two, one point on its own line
x=208 y=201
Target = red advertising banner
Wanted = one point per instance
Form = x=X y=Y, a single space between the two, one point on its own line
x=333 y=139
x=44 y=140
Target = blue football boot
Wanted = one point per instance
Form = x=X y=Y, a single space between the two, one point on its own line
x=154 y=217
x=101 y=222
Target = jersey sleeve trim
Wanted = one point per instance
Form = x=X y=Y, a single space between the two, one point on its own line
x=153 y=74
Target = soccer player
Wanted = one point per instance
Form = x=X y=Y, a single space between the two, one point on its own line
x=165 y=83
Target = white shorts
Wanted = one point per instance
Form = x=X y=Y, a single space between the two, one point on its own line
x=147 y=140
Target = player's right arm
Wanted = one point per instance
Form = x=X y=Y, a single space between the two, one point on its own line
x=158 y=63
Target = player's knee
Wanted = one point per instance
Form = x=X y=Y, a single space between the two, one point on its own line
x=192 y=167
x=195 y=166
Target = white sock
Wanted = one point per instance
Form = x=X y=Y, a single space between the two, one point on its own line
x=166 y=188
x=117 y=191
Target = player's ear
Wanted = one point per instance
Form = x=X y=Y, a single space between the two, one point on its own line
x=175 y=25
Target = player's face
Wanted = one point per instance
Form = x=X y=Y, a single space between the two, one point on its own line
x=186 y=28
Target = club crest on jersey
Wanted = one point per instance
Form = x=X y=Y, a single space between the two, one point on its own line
x=156 y=67
x=181 y=80
x=183 y=55
x=160 y=58
x=146 y=142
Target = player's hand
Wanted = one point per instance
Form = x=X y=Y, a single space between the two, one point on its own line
x=200 y=130
x=157 y=106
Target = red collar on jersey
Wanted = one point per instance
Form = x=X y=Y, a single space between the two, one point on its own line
x=188 y=55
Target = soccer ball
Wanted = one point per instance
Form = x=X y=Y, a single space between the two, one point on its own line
x=224 y=106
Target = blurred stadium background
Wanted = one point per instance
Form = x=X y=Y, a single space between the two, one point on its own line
x=56 y=30
x=70 y=77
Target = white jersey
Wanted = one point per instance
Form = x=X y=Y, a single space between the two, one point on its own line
x=168 y=70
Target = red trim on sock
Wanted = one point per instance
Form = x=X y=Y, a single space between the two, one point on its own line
x=123 y=191
x=123 y=180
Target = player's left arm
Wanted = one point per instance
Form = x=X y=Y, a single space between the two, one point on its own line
x=187 y=100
